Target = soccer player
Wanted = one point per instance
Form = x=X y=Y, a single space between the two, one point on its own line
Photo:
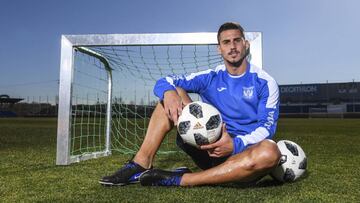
x=248 y=100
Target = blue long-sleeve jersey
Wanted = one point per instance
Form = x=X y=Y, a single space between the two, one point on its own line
x=248 y=103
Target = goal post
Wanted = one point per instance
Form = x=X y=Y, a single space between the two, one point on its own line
x=64 y=156
x=106 y=81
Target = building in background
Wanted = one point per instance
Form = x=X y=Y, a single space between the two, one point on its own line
x=327 y=99
x=7 y=105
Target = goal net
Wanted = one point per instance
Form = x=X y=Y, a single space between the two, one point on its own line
x=106 y=87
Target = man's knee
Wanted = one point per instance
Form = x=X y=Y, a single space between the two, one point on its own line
x=262 y=156
x=159 y=117
x=267 y=154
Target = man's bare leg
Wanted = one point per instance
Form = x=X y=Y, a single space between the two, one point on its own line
x=158 y=127
x=254 y=162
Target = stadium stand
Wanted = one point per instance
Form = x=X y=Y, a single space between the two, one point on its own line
x=320 y=100
x=6 y=104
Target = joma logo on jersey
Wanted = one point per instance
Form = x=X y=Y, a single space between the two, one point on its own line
x=198 y=126
x=248 y=92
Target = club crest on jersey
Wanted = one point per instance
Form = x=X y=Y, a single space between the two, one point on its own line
x=248 y=92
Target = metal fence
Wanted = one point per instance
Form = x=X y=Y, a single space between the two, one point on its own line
x=326 y=100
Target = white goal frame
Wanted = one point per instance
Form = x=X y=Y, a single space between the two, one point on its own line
x=70 y=43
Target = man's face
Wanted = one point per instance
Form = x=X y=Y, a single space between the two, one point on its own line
x=232 y=46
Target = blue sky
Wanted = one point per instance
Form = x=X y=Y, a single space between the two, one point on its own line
x=303 y=40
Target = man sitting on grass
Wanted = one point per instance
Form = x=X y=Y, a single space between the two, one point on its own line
x=248 y=100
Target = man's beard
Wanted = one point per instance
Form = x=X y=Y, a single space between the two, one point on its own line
x=240 y=61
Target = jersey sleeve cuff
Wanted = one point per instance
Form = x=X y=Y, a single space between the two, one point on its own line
x=238 y=145
x=160 y=93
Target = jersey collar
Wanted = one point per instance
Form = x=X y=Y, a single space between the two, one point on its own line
x=239 y=76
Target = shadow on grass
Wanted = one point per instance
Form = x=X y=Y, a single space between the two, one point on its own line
x=265 y=182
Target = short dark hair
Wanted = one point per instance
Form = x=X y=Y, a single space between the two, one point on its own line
x=229 y=26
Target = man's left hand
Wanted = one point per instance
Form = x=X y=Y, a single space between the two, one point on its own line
x=221 y=148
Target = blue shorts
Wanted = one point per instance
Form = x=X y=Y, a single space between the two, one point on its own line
x=200 y=157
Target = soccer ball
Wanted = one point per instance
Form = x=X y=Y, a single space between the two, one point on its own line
x=199 y=124
x=293 y=162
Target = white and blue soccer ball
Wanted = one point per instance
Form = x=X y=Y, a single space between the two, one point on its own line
x=293 y=162
x=199 y=124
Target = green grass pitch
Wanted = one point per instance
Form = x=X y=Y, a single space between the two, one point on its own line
x=28 y=172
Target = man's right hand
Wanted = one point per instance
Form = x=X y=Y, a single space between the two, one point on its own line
x=172 y=105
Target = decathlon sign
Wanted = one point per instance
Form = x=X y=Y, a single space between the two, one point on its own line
x=299 y=89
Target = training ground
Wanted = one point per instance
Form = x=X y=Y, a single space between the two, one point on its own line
x=28 y=172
